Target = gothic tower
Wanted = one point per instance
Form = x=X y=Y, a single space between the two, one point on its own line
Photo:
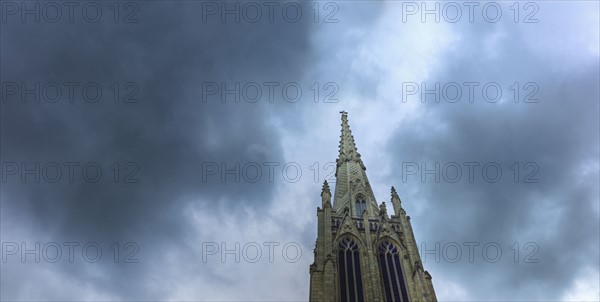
x=361 y=254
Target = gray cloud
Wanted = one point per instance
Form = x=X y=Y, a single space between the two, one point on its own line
x=169 y=53
x=170 y=133
x=559 y=135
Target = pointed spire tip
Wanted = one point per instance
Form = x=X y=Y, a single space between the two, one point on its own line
x=325 y=188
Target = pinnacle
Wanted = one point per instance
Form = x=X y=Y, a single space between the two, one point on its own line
x=394 y=193
x=325 y=188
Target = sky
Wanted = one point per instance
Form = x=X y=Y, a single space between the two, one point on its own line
x=176 y=150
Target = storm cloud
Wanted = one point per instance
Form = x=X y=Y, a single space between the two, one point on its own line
x=215 y=129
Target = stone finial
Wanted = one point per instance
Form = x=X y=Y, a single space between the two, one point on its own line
x=396 y=202
x=383 y=209
x=326 y=195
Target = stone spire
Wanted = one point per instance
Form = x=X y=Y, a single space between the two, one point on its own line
x=351 y=233
x=348 y=151
x=352 y=188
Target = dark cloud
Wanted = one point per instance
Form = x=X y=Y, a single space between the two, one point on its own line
x=168 y=135
x=171 y=132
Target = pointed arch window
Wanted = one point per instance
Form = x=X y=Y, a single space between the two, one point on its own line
x=394 y=284
x=361 y=205
x=350 y=276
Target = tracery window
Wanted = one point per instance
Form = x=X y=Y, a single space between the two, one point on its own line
x=349 y=273
x=391 y=272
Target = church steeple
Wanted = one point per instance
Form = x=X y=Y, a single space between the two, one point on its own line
x=352 y=189
x=361 y=253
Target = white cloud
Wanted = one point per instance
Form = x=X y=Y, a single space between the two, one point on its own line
x=585 y=287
